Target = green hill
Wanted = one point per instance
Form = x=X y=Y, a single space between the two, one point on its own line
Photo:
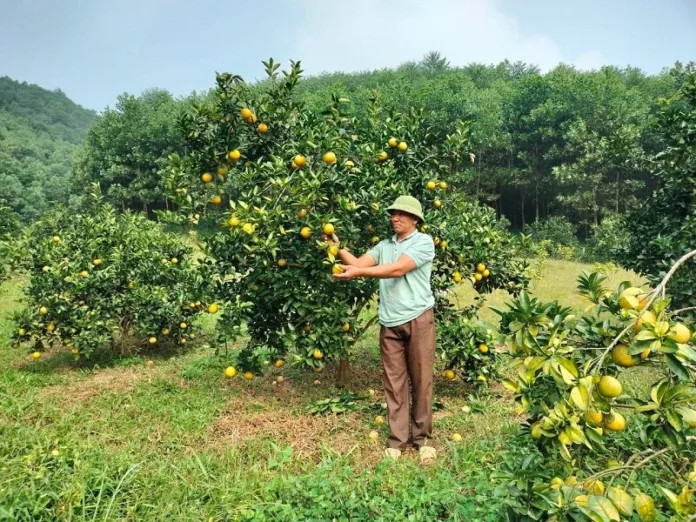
x=40 y=131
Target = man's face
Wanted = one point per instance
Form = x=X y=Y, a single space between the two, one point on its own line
x=403 y=222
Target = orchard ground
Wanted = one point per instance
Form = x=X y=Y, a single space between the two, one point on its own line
x=176 y=440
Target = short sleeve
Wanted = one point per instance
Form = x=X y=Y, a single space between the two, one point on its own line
x=422 y=250
x=376 y=252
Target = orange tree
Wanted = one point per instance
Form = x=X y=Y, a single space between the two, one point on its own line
x=607 y=451
x=266 y=178
x=100 y=279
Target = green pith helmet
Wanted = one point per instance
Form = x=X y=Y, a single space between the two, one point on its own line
x=408 y=204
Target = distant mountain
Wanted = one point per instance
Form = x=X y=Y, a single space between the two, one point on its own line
x=40 y=131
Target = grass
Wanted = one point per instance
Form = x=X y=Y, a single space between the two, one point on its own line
x=116 y=439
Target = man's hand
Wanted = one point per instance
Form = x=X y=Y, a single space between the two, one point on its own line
x=349 y=272
x=332 y=239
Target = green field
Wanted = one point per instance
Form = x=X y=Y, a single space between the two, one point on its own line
x=121 y=440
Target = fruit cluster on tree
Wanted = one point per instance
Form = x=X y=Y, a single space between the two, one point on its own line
x=103 y=280
x=269 y=179
x=567 y=380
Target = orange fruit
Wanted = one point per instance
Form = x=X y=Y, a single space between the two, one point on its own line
x=300 y=160
x=328 y=229
x=216 y=200
x=403 y=147
x=483 y=348
x=443 y=185
x=382 y=156
x=246 y=113
x=609 y=386
x=431 y=185
x=317 y=354
x=329 y=158
x=393 y=142
x=206 y=177
x=306 y=232
x=621 y=357
x=302 y=213
x=349 y=164
x=282 y=263
x=234 y=155
x=614 y=421
x=230 y=372
x=679 y=333
x=262 y=128
x=213 y=308
x=437 y=203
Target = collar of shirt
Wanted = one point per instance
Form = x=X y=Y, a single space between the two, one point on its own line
x=394 y=238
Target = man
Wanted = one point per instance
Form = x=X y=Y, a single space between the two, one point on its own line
x=403 y=264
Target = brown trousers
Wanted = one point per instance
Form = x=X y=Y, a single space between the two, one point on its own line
x=408 y=353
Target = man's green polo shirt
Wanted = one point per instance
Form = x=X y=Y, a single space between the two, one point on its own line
x=402 y=299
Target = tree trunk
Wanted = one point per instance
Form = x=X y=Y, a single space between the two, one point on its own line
x=536 y=195
x=145 y=208
x=618 y=191
x=522 y=207
x=343 y=377
x=499 y=206
x=596 y=207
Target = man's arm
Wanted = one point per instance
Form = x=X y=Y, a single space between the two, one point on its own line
x=349 y=259
x=387 y=271
x=364 y=261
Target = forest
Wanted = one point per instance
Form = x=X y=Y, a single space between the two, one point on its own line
x=570 y=145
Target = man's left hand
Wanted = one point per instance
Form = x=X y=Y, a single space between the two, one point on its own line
x=349 y=272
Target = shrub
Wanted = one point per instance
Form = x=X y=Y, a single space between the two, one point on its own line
x=100 y=279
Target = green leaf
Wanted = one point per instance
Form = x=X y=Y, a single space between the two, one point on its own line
x=604 y=508
x=581 y=397
x=568 y=365
x=677 y=367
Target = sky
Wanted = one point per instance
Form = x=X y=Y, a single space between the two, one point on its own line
x=94 y=50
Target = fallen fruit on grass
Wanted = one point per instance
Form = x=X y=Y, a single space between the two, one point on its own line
x=230 y=372
x=456 y=437
x=374 y=435
x=379 y=419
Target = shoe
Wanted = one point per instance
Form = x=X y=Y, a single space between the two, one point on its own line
x=392 y=453
x=427 y=455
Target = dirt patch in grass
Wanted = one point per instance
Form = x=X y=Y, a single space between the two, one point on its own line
x=115 y=380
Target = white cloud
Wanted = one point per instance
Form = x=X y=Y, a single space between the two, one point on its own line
x=590 y=60
x=336 y=35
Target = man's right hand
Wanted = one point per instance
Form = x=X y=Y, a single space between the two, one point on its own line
x=333 y=239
